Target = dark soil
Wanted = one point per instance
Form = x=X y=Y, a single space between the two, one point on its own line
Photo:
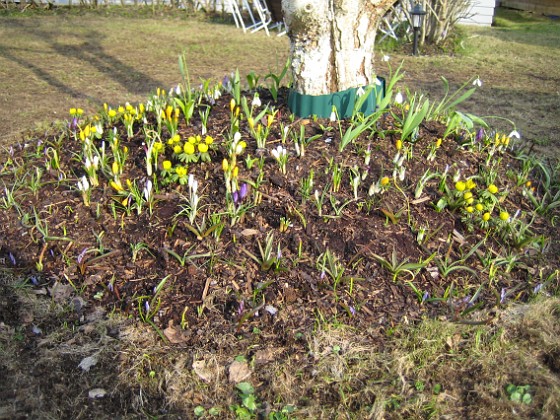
x=219 y=296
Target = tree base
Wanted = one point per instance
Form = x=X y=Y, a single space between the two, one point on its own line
x=322 y=105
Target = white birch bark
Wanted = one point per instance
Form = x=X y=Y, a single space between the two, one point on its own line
x=331 y=42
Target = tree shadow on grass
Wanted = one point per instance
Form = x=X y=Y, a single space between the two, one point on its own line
x=89 y=50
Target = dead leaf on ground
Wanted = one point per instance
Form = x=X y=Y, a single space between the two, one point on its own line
x=239 y=371
x=203 y=371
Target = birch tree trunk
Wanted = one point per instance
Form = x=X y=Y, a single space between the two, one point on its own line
x=331 y=42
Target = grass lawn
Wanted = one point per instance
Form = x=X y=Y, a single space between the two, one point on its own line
x=161 y=268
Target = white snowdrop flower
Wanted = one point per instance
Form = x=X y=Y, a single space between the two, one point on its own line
x=333 y=116
x=477 y=82
x=399 y=98
x=515 y=134
x=385 y=58
x=256 y=101
x=360 y=91
x=378 y=82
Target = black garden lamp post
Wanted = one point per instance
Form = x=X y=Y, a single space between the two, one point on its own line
x=417 y=14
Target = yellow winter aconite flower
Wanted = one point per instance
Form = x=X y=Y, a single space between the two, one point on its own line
x=208 y=140
x=181 y=171
x=469 y=209
x=178 y=149
x=175 y=139
x=460 y=186
x=167 y=165
x=192 y=139
x=470 y=184
x=158 y=147
x=188 y=148
x=112 y=113
x=486 y=216
x=202 y=147
x=385 y=181
x=468 y=195
x=479 y=207
x=492 y=189
x=504 y=215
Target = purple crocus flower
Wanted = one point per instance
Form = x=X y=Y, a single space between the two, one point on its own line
x=235 y=196
x=225 y=80
x=243 y=190
x=479 y=134
x=503 y=295
x=81 y=256
x=425 y=297
x=73 y=124
x=12 y=258
x=537 y=288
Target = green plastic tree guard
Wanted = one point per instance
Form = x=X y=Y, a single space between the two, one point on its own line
x=322 y=105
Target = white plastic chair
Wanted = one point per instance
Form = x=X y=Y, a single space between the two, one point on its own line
x=393 y=19
x=258 y=14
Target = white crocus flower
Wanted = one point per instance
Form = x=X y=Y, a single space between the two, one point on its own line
x=83 y=184
x=278 y=153
x=333 y=116
x=399 y=98
x=148 y=190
